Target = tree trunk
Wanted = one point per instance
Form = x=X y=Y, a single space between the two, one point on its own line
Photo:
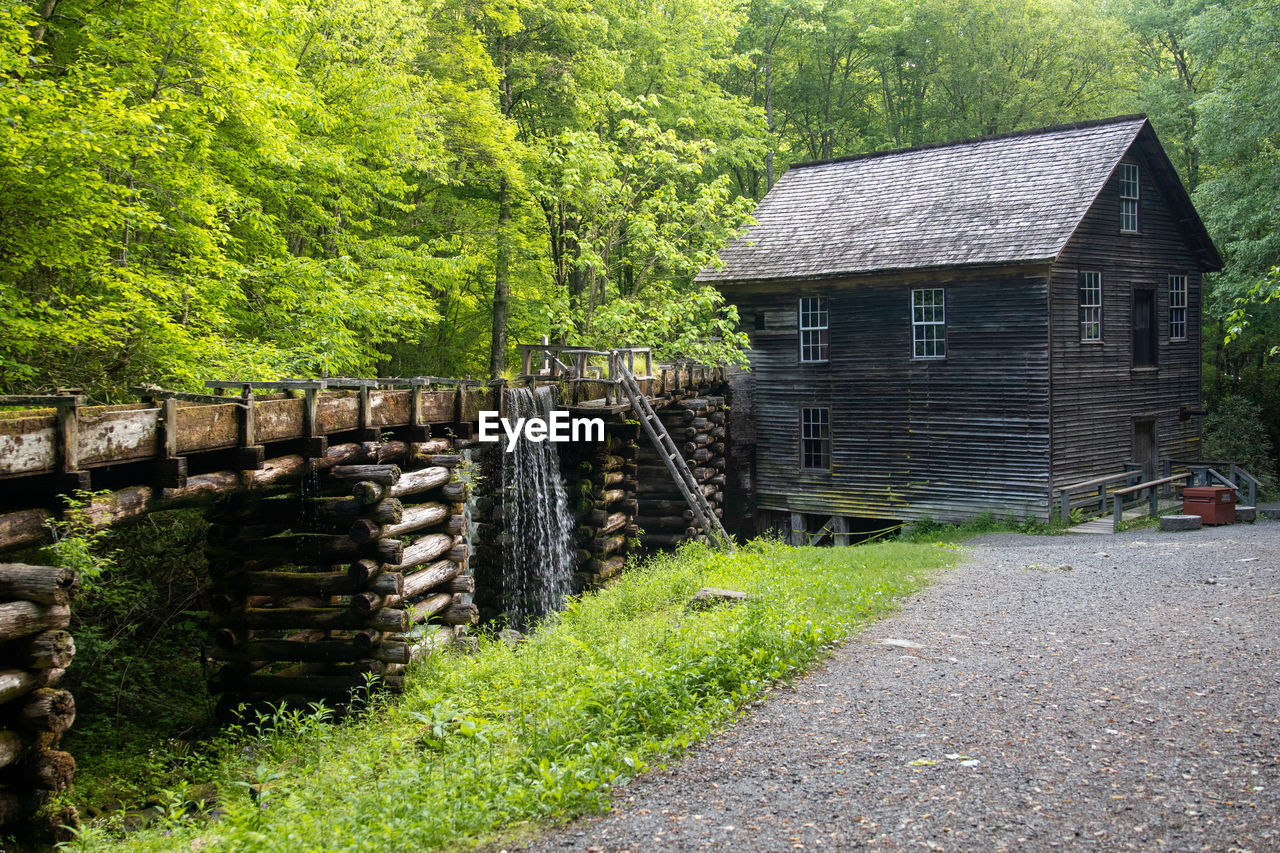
x=501 y=277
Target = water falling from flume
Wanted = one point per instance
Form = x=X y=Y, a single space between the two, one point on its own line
x=538 y=564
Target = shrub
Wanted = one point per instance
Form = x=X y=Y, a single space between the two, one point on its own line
x=1234 y=431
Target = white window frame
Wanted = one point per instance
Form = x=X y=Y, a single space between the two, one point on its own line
x=1177 y=307
x=815 y=430
x=814 y=330
x=1130 y=196
x=929 y=323
x=1090 y=282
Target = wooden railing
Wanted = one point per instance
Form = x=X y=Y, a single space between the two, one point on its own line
x=1207 y=475
x=1100 y=485
x=1152 y=487
x=577 y=365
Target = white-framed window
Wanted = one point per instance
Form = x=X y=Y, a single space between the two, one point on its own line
x=813 y=328
x=1177 y=307
x=1090 y=306
x=1128 y=197
x=815 y=438
x=929 y=323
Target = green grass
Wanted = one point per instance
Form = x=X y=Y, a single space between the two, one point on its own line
x=624 y=679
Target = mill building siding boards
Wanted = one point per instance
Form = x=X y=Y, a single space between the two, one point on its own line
x=1019 y=407
x=1097 y=394
x=909 y=438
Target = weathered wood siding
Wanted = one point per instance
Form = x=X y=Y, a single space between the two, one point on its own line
x=1097 y=393
x=946 y=439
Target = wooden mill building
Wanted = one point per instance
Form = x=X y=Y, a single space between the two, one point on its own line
x=965 y=328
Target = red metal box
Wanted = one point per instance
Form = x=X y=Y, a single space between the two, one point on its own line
x=1214 y=504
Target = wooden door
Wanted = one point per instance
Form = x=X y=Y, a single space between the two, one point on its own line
x=1144 y=447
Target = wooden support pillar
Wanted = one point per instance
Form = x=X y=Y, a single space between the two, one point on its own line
x=250 y=456
x=315 y=445
x=462 y=428
x=840 y=529
x=368 y=432
x=70 y=476
x=418 y=431
x=797 y=535
x=171 y=471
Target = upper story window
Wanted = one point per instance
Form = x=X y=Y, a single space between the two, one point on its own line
x=929 y=323
x=1177 y=307
x=1090 y=306
x=815 y=438
x=1128 y=197
x=813 y=328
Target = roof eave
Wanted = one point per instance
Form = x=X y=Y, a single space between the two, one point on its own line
x=879 y=273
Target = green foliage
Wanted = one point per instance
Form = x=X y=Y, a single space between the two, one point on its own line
x=929 y=530
x=139 y=688
x=625 y=678
x=77 y=543
x=1235 y=431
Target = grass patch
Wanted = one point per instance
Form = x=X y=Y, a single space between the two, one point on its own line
x=624 y=679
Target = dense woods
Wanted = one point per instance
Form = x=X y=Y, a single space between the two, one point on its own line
x=191 y=189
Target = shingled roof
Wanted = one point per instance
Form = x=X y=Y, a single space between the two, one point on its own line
x=996 y=200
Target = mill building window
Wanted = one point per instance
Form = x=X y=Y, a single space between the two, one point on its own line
x=813 y=328
x=929 y=323
x=1177 y=307
x=1090 y=306
x=815 y=438
x=1128 y=197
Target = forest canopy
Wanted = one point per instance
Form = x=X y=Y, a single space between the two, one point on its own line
x=214 y=188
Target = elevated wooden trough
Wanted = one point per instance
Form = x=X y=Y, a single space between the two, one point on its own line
x=176 y=449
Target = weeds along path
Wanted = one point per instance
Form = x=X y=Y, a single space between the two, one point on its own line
x=1099 y=693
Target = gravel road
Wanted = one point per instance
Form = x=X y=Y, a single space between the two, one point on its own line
x=1067 y=693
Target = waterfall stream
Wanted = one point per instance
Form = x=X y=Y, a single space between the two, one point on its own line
x=538 y=565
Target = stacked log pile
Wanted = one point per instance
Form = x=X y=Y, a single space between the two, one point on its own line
x=359 y=574
x=697 y=426
x=36 y=650
x=602 y=495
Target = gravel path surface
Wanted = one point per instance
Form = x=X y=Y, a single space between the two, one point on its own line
x=1075 y=693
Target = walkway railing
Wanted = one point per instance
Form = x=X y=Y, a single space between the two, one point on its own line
x=1152 y=488
x=1238 y=479
x=1093 y=492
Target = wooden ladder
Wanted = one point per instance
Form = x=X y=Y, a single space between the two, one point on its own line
x=671 y=457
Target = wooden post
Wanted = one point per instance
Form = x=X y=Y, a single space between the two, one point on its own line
x=251 y=456
x=171 y=472
x=71 y=478
x=418 y=431
x=840 y=526
x=797 y=530
x=368 y=432
x=316 y=445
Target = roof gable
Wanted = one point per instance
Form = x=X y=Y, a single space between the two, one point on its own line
x=1016 y=198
